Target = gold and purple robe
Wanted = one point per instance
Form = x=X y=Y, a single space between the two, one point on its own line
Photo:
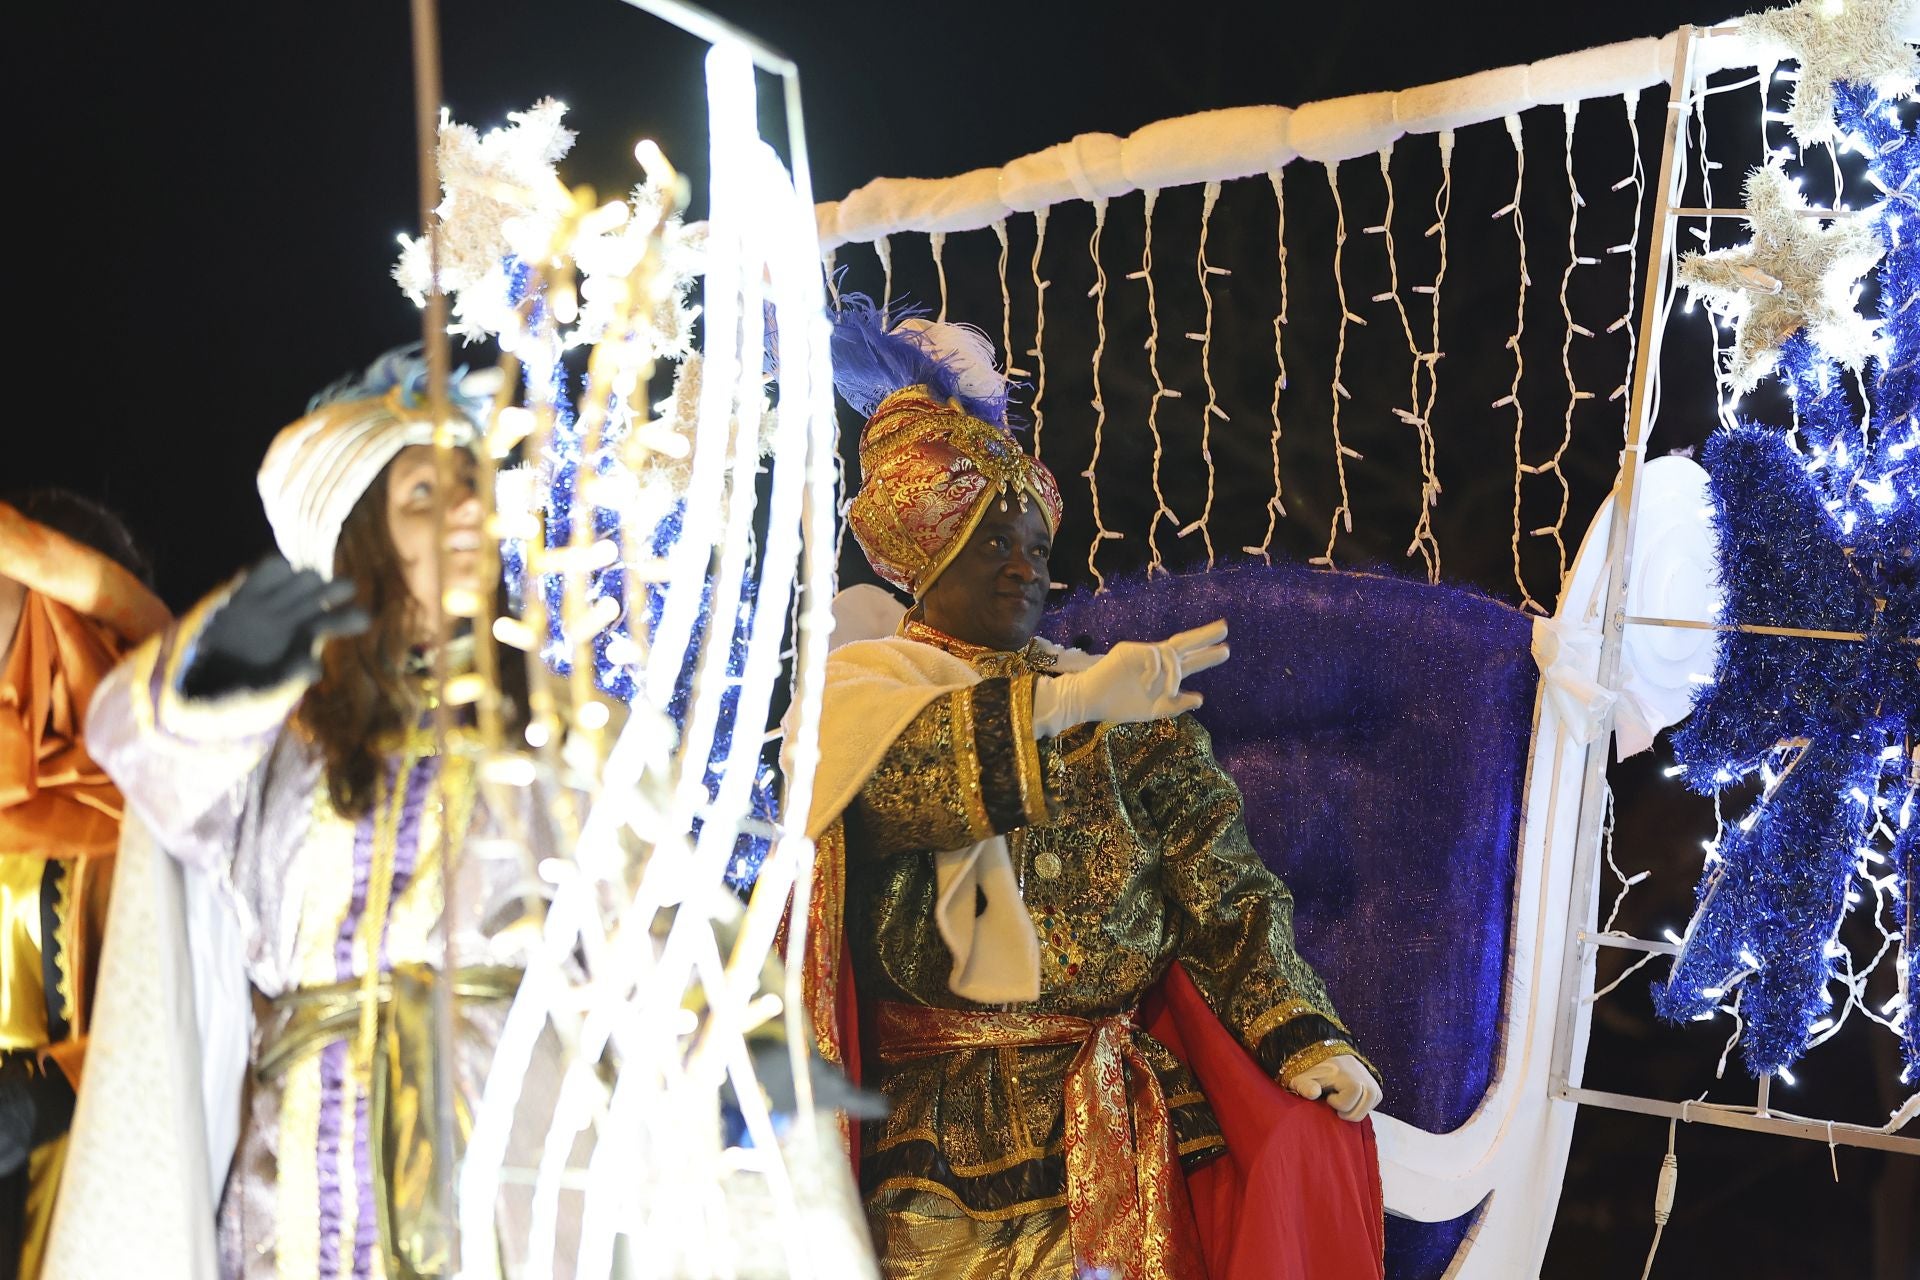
x=339 y=918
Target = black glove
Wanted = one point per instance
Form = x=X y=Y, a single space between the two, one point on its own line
x=832 y=1090
x=269 y=628
x=36 y=1106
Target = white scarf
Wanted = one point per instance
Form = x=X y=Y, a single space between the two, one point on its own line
x=874 y=690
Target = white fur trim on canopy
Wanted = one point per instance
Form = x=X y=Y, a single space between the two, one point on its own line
x=1238 y=142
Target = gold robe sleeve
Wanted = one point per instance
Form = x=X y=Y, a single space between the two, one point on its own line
x=966 y=768
x=1236 y=916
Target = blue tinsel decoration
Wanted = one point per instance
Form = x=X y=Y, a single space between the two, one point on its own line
x=1819 y=533
x=560 y=470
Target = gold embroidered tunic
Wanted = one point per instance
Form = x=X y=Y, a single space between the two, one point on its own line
x=1132 y=854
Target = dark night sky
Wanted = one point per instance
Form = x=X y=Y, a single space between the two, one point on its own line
x=207 y=207
x=205 y=217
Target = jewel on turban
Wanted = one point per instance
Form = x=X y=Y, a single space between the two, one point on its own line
x=935 y=450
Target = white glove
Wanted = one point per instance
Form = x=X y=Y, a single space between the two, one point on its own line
x=1344 y=1082
x=1133 y=682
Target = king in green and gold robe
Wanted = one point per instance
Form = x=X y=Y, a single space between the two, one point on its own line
x=1130 y=853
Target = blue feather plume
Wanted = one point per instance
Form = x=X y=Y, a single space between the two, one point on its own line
x=405 y=368
x=873 y=358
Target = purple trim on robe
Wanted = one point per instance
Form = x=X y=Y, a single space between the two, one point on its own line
x=333 y=1062
x=406 y=857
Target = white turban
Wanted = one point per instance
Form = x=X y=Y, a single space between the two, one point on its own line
x=318 y=467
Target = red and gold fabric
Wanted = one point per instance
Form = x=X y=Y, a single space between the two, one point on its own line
x=59 y=826
x=1127 y=1206
x=928 y=470
x=59 y=813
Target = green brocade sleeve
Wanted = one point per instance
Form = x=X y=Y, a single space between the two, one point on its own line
x=966 y=768
x=1236 y=915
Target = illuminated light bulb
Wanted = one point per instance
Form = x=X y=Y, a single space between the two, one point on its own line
x=1859 y=795
x=592 y=715
x=662 y=438
x=462 y=602
x=508 y=771
x=463 y=690
x=1820 y=1026
x=1786 y=1076
x=623 y=652
x=608 y=218
x=762 y=1008
x=1672 y=937
x=538 y=734
x=1721 y=775
x=512 y=425
x=1880 y=493
x=1748 y=959
x=1746 y=823
x=1675 y=771
x=1713 y=993
x=513 y=633
x=650 y=157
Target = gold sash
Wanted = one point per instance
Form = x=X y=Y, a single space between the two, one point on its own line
x=1127 y=1207
x=416 y=1231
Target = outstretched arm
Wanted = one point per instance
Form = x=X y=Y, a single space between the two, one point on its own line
x=189 y=715
x=1237 y=923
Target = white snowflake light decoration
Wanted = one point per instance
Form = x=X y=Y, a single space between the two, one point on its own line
x=1835 y=41
x=1793 y=273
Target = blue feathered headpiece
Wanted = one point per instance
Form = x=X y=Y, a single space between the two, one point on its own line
x=877 y=351
x=402 y=374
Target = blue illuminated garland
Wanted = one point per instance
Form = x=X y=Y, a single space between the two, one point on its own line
x=559 y=471
x=1822 y=532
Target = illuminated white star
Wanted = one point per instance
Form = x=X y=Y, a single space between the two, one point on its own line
x=1793 y=274
x=1835 y=41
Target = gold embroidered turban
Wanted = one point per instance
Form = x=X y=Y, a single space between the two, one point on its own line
x=929 y=469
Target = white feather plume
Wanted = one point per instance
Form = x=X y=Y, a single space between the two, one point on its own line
x=962 y=348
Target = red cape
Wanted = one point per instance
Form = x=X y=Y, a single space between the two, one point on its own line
x=1297 y=1194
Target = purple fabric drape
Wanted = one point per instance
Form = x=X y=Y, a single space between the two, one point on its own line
x=1379 y=730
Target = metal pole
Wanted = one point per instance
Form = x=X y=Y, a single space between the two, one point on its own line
x=426 y=116
x=714 y=29
x=1620 y=543
x=1836 y=1132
